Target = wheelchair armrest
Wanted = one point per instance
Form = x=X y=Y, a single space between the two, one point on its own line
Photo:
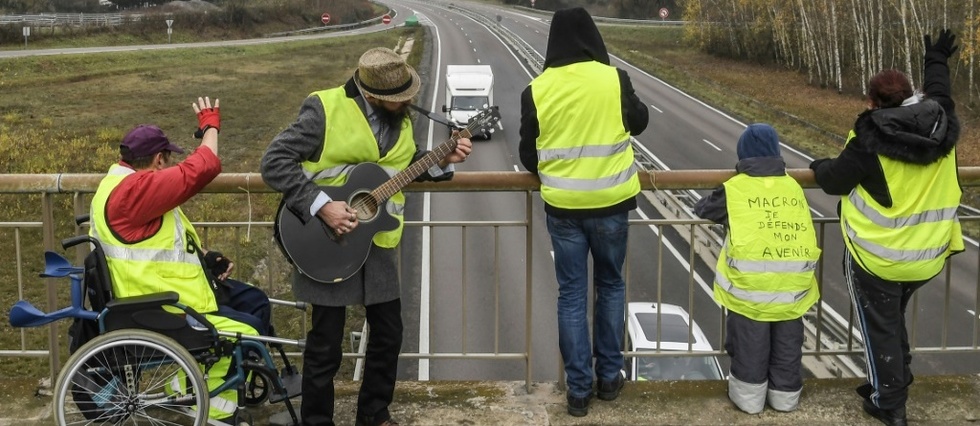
x=146 y=300
x=76 y=240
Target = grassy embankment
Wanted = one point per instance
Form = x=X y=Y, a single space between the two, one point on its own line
x=807 y=117
x=67 y=114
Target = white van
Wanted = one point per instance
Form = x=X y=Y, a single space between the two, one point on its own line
x=642 y=319
x=469 y=89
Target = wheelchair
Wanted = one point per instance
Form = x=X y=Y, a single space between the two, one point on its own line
x=144 y=359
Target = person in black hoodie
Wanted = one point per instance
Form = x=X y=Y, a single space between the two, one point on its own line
x=576 y=121
x=897 y=178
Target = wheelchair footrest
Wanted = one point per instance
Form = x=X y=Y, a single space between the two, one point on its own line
x=293 y=383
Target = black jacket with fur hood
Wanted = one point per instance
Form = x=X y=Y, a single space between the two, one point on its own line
x=917 y=133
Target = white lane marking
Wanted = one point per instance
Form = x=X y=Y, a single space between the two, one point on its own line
x=680 y=259
x=516 y=169
x=426 y=270
x=711 y=144
x=658 y=109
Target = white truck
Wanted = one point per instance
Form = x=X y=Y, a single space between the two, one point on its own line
x=469 y=89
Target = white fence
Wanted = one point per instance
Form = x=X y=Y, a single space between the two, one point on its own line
x=69 y=19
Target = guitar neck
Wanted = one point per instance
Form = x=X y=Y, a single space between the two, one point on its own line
x=407 y=176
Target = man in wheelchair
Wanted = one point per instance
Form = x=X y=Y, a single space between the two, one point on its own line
x=151 y=247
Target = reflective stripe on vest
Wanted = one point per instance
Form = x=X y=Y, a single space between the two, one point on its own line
x=766 y=269
x=353 y=144
x=163 y=262
x=585 y=160
x=910 y=240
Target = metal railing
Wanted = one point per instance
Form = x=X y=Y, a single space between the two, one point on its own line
x=69 y=19
x=60 y=197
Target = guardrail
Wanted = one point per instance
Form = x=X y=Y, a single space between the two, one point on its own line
x=523 y=49
x=251 y=242
x=603 y=19
x=71 y=19
x=315 y=30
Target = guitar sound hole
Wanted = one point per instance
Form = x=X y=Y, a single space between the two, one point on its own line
x=366 y=206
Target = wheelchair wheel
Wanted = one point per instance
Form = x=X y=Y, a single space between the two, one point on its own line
x=256 y=389
x=129 y=377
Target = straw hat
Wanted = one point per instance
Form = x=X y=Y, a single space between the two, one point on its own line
x=384 y=75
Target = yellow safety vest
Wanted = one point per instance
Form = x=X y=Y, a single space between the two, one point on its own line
x=354 y=143
x=166 y=261
x=585 y=160
x=766 y=268
x=910 y=240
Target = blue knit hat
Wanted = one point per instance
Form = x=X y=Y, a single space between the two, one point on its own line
x=758 y=140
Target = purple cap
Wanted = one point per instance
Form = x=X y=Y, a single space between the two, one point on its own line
x=146 y=140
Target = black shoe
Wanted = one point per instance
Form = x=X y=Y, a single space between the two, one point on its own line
x=609 y=391
x=894 y=417
x=578 y=407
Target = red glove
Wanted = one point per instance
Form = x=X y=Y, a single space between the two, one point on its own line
x=206 y=119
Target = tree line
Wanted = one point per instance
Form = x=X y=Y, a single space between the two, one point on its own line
x=839 y=44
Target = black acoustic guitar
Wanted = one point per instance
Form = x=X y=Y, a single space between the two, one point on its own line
x=324 y=256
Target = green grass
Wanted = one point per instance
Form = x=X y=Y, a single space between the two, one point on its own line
x=811 y=119
x=63 y=114
x=68 y=113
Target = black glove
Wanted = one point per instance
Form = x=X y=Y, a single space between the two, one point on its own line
x=216 y=262
x=944 y=44
x=816 y=163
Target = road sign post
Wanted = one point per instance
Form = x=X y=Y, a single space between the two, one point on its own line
x=27 y=33
x=325 y=18
x=170 y=30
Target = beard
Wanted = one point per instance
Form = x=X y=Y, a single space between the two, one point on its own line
x=391 y=118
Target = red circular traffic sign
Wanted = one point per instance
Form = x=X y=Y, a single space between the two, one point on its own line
x=325 y=18
x=386 y=19
x=664 y=13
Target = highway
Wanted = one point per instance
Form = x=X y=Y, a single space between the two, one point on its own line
x=684 y=133
x=482 y=268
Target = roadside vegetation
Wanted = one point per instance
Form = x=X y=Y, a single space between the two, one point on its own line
x=66 y=114
x=193 y=21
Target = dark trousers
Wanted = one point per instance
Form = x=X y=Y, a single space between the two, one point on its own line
x=323 y=355
x=764 y=352
x=880 y=307
x=247 y=304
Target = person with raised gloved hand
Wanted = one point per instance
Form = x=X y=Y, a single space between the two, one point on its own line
x=207 y=117
x=151 y=246
x=899 y=191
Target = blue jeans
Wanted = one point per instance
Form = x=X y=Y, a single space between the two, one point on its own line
x=572 y=240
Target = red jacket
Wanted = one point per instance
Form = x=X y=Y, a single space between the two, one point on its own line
x=135 y=207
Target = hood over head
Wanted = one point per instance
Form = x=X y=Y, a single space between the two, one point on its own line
x=574 y=38
x=916 y=132
x=758 y=140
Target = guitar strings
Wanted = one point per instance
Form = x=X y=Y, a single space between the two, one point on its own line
x=371 y=204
